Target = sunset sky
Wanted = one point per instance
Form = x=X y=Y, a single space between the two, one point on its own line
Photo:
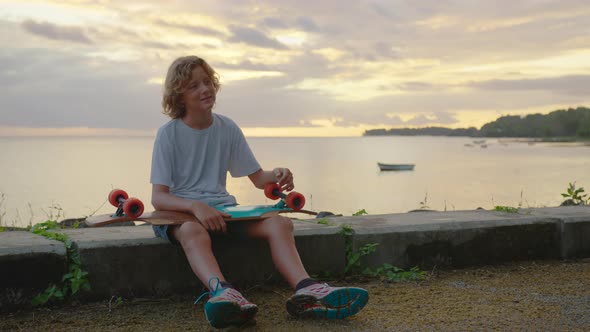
x=291 y=67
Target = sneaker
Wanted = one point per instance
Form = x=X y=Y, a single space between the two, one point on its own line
x=323 y=301
x=227 y=306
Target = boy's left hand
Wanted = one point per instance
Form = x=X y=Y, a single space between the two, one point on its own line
x=284 y=178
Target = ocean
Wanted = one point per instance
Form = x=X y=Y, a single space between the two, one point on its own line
x=70 y=177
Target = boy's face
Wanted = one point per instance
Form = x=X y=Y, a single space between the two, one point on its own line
x=199 y=92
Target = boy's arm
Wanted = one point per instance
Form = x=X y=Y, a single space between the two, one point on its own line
x=209 y=217
x=280 y=175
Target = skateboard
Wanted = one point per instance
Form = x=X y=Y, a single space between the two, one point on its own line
x=131 y=209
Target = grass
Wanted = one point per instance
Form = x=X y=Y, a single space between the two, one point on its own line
x=5 y=225
x=2 y=212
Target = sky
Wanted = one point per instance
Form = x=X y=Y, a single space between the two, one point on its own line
x=291 y=67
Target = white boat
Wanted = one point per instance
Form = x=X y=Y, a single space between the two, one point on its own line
x=395 y=167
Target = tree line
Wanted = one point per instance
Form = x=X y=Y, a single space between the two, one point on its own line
x=561 y=123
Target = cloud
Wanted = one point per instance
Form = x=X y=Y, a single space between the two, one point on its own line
x=307 y=24
x=571 y=85
x=46 y=95
x=56 y=32
x=200 y=30
x=162 y=46
x=248 y=65
x=274 y=23
x=295 y=63
x=253 y=37
x=442 y=118
x=417 y=86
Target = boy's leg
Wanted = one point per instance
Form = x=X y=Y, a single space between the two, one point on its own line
x=196 y=243
x=226 y=306
x=278 y=231
x=311 y=298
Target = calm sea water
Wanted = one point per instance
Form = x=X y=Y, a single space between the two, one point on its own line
x=41 y=177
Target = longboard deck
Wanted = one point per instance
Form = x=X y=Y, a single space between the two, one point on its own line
x=238 y=213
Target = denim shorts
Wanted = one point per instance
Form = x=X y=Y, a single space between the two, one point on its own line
x=234 y=228
x=163 y=231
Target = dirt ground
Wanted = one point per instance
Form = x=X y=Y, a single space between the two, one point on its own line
x=552 y=296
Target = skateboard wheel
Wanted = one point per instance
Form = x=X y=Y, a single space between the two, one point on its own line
x=115 y=195
x=133 y=207
x=295 y=200
x=270 y=188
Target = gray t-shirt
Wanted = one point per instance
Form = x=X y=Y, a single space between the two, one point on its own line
x=194 y=163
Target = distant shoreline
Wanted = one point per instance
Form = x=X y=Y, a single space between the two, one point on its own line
x=543 y=139
x=506 y=139
x=571 y=125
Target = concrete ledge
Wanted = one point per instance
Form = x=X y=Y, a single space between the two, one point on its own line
x=574 y=226
x=131 y=261
x=455 y=239
x=321 y=249
x=28 y=265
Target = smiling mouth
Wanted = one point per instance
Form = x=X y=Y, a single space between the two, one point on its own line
x=207 y=98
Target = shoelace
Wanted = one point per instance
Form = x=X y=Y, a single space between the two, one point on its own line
x=212 y=293
x=319 y=289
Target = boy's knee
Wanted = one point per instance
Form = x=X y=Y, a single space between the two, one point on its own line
x=282 y=223
x=190 y=230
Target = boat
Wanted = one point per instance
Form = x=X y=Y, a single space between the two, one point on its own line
x=396 y=167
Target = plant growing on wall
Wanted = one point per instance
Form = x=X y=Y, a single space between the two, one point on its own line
x=575 y=196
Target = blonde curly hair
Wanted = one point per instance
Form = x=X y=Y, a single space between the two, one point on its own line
x=178 y=76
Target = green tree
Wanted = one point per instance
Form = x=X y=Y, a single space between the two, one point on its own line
x=584 y=126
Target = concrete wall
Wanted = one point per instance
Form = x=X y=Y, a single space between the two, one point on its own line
x=131 y=261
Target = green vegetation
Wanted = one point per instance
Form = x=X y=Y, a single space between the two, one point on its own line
x=575 y=195
x=324 y=221
x=388 y=272
x=360 y=213
x=508 y=209
x=563 y=125
x=75 y=279
x=392 y=273
x=353 y=258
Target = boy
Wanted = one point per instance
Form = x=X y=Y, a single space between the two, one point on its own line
x=192 y=155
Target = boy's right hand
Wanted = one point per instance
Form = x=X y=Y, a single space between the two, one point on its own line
x=210 y=218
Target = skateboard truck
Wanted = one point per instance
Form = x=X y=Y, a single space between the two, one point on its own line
x=293 y=200
x=131 y=207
